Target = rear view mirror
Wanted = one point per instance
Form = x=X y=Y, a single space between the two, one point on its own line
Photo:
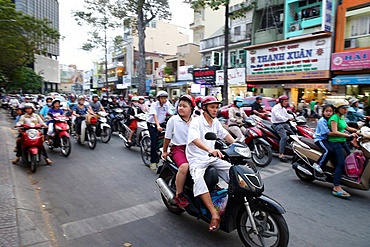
x=289 y=111
x=238 y=114
x=196 y=112
x=210 y=136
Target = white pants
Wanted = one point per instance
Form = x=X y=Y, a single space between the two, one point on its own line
x=197 y=170
x=50 y=129
x=239 y=132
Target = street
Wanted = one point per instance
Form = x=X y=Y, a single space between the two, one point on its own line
x=107 y=197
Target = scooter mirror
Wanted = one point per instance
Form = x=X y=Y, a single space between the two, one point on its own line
x=210 y=136
x=289 y=111
x=197 y=112
x=238 y=114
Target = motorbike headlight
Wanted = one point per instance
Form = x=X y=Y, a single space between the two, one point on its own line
x=243 y=151
x=32 y=133
x=242 y=183
x=252 y=133
x=103 y=120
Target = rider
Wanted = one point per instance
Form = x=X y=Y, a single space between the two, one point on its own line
x=337 y=140
x=45 y=108
x=142 y=104
x=104 y=101
x=198 y=106
x=72 y=102
x=279 y=118
x=236 y=117
x=80 y=111
x=53 y=111
x=257 y=108
x=353 y=113
x=113 y=105
x=95 y=105
x=198 y=150
x=176 y=134
x=157 y=116
x=132 y=120
x=28 y=118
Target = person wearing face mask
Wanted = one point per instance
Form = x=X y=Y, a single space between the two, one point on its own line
x=132 y=113
x=44 y=111
x=80 y=111
x=236 y=117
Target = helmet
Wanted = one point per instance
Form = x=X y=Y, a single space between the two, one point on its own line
x=54 y=101
x=135 y=98
x=353 y=101
x=49 y=98
x=72 y=96
x=94 y=95
x=141 y=97
x=151 y=96
x=238 y=99
x=130 y=96
x=162 y=94
x=80 y=97
x=198 y=100
x=210 y=100
x=282 y=98
x=29 y=105
x=64 y=106
x=188 y=98
x=341 y=103
x=258 y=97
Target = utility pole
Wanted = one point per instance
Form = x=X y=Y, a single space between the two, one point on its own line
x=225 y=88
x=106 y=57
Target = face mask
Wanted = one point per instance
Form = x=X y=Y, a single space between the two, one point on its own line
x=239 y=104
x=49 y=104
x=81 y=102
x=136 y=104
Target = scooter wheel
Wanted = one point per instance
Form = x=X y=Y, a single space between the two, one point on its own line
x=33 y=163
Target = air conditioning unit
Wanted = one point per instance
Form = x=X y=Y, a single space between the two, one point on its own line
x=294 y=27
x=231 y=9
x=350 y=43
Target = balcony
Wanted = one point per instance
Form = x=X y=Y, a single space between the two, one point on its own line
x=267 y=35
x=261 y=4
x=212 y=43
x=198 y=23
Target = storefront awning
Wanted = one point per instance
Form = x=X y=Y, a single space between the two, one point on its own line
x=351 y=79
x=178 y=84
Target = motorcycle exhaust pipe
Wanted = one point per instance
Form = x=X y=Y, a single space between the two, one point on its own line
x=296 y=166
x=121 y=136
x=165 y=190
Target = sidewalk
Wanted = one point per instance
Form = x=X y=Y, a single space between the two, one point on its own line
x=8 y=219
x=22 y=220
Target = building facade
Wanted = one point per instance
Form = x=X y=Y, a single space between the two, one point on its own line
x=47 y=64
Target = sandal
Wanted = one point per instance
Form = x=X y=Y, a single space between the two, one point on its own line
x=48 y=161
x=342 y=194
x=214 y=225
x=283 y=159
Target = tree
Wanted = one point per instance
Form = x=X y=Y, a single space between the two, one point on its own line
x=141 y=12
x=27 y=80
x=21 y=37
x=215 y=5
x=99 y=15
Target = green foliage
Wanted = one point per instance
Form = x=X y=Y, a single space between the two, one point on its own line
x=21 y=37
x=26 y=79
x=167 y=70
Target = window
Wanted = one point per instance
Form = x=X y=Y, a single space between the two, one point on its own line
x=147 y=25
x=360 y=26
x=154 y=24
x=156 y=65
x=242 y=56
x=248 y=31
x=237 y=30
x=233 y=58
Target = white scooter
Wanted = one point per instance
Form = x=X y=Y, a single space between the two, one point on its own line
x=87 y=133
x=102 y=128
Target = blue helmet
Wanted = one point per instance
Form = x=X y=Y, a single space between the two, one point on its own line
x=238 y=99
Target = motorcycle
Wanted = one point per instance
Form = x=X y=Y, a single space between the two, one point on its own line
x=32 y=141
x=102 y=128
x=87 y=133
x=140 y=133
x=117 y=123
x=13 y=111
x=257 y=218
x=260 y=148
x=306 y=152
x=61 y=136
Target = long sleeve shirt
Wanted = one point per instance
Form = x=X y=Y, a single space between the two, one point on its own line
x=279 y=114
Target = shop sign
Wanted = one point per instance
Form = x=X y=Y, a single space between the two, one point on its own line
x=235 y=76
x=205 y=75
x=183 y=73
x=291 y=85
x=351 y=60
x=302 y=60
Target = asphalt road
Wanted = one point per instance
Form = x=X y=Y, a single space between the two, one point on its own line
x=107 y=197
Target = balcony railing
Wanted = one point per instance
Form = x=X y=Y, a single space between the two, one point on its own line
x=220 y=41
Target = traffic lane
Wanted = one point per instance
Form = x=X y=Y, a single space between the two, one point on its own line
x=92 y=183
x=315 y=217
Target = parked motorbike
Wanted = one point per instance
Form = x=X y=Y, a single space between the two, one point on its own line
x=102 y=128
x=257 y=218
x=87 y=133
x=140 y=133
x=32 y=141
x=260 y=148
x=61 y=136
x=306 y=152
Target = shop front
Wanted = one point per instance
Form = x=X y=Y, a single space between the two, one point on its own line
x=204 y=82
x=236 y=82
x=299 y=68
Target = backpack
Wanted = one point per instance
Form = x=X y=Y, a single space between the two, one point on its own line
x=354 y=165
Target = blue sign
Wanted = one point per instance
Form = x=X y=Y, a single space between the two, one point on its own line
x=351 y=79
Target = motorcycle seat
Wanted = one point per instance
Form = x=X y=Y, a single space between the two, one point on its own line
x=311 y=143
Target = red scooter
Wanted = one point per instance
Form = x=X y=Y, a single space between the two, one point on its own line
x=32 y=141
x=61 y=136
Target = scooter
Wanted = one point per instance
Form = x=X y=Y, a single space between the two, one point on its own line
x=257 y=218
x=102 y=128
x=61 y=136
x=87 y=133
x=117 y=123
x=140 y=133
x=260 y=148
x=32 y=141
x=306 y=152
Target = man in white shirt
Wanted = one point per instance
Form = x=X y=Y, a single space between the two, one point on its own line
x=198 y=150
x=157 y=115
x=279 y=118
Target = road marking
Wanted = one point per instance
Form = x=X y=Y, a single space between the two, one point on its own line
x=103 y=222
x=274 y=170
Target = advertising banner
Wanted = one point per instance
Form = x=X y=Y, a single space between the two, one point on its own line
x=351 y=60
x=235 y=76
x=204 y=75
x=183 y=73
x=309 y=59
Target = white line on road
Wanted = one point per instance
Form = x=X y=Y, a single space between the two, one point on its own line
x=274 y=170
x=103 y=222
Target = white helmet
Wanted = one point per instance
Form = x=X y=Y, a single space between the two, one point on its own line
x=162 y=94
x=341 y=103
